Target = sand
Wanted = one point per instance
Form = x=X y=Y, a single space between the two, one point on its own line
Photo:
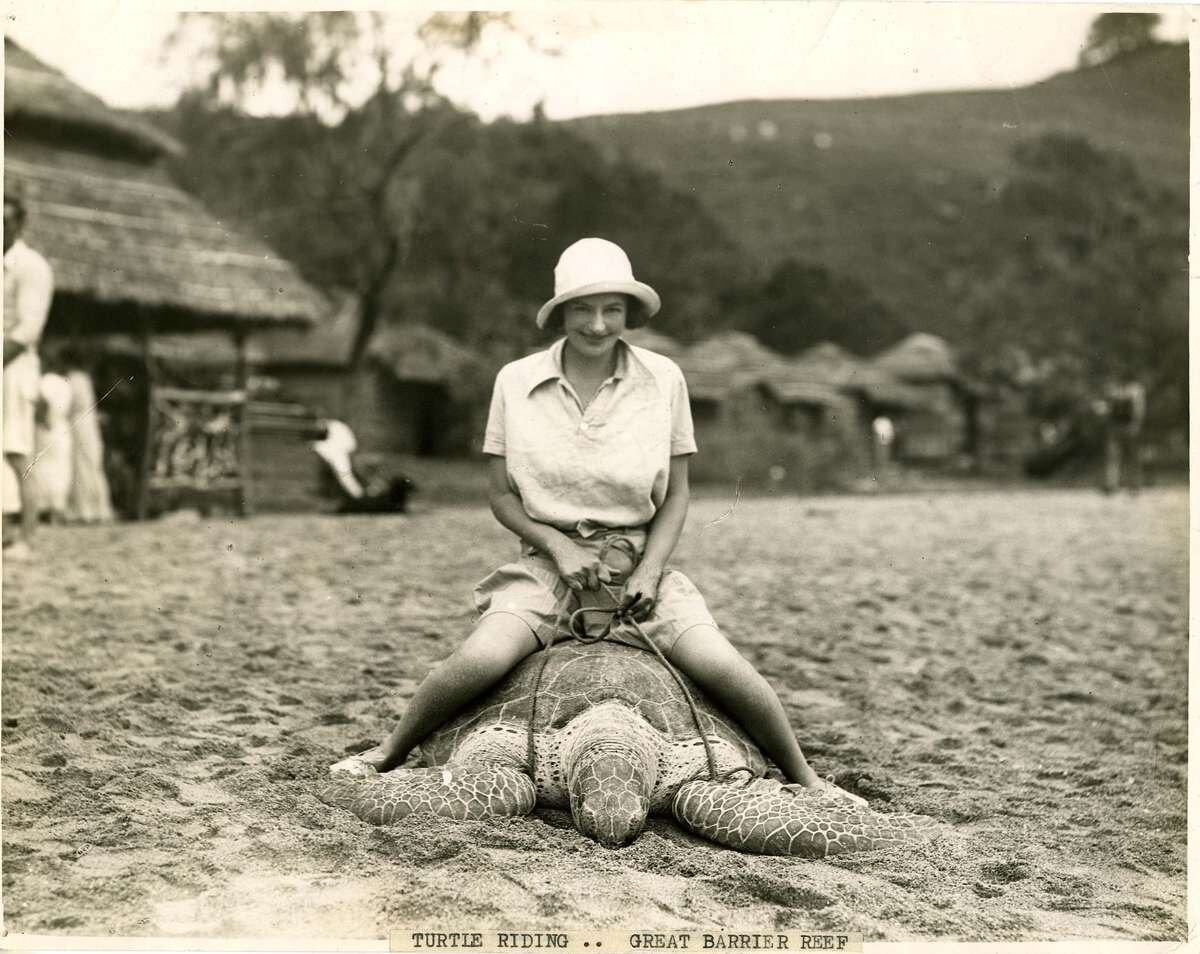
x=1014 y=665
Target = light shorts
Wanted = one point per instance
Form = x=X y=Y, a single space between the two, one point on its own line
x=531 y=590
x=20 y=403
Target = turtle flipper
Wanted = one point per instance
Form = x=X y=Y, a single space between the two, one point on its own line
x=763 y=817
x=455 y=791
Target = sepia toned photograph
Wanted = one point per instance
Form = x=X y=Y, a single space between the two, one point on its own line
x=635 y=476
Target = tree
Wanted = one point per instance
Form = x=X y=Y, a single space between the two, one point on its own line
x=1086 y=274
x=801 y=304
x=487 y=209
x=1114 y=34
x=352 y=164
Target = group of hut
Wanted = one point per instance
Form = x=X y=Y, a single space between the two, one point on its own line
x=213 y=357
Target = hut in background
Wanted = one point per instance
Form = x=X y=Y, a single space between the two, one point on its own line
x=874 y=392
x=415 y=393
x=942 y=428
x=760 y=418
x=133 y=254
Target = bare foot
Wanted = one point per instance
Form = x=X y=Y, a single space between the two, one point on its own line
x=826 y=786
x=363 y=764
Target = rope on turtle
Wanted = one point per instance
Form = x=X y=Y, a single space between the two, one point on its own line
x=620 y=616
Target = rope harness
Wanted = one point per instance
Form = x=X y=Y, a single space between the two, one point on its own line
x=620 y=618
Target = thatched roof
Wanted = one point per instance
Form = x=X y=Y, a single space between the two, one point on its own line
x=836 y=367
x=732 y=361
x=880 y=388
x=727 y=362
x=409 y=352
x=125 y=243
x=39 y=98
x=734 y=351
x=919 y=358
x=325 y=344
x=204 y=349
x=123 y=235
x=791 y=386
x=424 y=354
x=653 y=341
x=827 y=362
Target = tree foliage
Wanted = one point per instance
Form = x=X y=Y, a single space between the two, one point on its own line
x=1076 y=271
x=1114 y=34
x=801 y=304
x=480 y=213
x=353 y=146
x=1085 y=275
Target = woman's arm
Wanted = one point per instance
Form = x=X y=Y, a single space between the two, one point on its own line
x=578 y=567
x=642 y=586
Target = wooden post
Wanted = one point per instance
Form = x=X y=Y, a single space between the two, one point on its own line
x=242 y=383
x=143 y=488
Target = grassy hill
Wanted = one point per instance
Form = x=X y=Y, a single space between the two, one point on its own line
x=889 y=189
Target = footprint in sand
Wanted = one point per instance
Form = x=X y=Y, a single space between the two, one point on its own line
x=1005 y=872
x=755 y=887
x=1067 y=892
x=334 y=718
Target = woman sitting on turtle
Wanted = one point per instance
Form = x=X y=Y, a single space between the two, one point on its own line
x=589 y=444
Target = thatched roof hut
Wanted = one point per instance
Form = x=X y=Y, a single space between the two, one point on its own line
x=419 y=353
x=835 y=366
x=733 y=360
x=653 y=341
x=327 y=343
x=409 y=352
x=200 y=349
x=129 y=249
x=729 y=361
x=919 y=358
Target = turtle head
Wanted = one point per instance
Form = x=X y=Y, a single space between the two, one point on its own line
x=611 y=766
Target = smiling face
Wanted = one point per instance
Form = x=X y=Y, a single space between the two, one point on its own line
x=594 y=323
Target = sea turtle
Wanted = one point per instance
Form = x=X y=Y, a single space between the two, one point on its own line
x=605 y=729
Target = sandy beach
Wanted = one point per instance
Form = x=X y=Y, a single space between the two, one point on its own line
x=1014 y=665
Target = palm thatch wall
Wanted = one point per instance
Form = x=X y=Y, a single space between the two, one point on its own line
x=129 y=249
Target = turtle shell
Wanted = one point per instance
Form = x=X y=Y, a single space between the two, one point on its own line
x=577 y=676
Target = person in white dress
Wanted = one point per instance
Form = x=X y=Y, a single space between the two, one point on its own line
x=53 y=455
x=89 y=500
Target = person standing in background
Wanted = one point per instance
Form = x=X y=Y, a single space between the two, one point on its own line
x=89 y=500
x=53 y=454
x=1125 y=412
x=28 y=290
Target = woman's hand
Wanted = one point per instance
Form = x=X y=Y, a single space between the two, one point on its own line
x=579 y=568
x=641 y=591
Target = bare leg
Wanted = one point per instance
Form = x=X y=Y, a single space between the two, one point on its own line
x=29 y=515
x=738 y=688
x=1111 y=480
x=1132 y=453
x=497 y=644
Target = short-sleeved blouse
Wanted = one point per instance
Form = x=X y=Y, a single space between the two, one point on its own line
x=605 y=466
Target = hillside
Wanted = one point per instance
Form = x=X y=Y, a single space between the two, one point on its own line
x=887 y=189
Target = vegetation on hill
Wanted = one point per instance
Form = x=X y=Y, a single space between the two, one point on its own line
x=890 y=190
x=423 y=211
x=1042 y=231
x=485 y=212
x=918 y=208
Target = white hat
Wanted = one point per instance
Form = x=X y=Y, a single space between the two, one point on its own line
x=594 y=266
